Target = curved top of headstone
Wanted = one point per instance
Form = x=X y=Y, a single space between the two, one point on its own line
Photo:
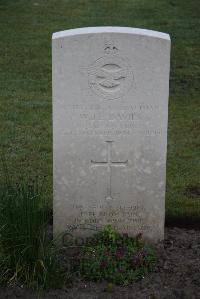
x=111 y=29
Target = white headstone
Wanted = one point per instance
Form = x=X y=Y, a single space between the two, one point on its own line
x=110 y=110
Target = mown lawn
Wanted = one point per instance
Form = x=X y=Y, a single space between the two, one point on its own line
x=26 y=27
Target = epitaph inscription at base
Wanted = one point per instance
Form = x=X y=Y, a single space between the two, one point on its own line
x=110 y=111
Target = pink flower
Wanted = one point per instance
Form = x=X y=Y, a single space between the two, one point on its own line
x=119 y=252
x=103 y=264
x=136 y=260
x=120 y=270
x=142 y=253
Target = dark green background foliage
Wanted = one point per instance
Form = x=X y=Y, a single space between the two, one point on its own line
x=26 y=27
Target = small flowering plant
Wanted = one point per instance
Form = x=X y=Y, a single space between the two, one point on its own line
x=116 y=258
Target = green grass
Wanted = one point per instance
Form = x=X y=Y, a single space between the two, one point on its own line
x=28 y=255
x=25 y=83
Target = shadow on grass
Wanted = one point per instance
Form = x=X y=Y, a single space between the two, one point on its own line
x=183 y=222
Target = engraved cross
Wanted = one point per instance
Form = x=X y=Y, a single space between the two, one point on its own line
x=109 y=164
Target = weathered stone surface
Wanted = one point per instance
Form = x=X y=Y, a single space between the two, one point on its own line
x=110 y=109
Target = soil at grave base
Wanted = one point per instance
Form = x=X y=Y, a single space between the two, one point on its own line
x=177 y=275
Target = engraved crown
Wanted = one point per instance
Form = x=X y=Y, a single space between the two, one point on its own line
x=110 y=48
